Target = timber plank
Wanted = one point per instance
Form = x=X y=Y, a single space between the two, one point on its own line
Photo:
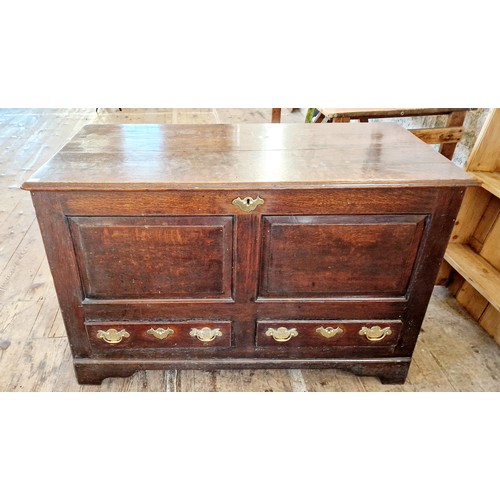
x=489 y=181
x=491 y=246
x=490 y=321
x=142 y=381
x=460 y=363
x=476 y=270
x=426 y=374
x=13 y=230
x=41 y=359
x=57 y=329
x=471 y=211
x=234 y=381
x=20 y=270
x=438 y=135
x=331 y=380
x=472 y=300
x=484 y=155
x=17 y=320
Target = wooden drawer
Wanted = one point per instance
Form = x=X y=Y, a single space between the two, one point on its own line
x=327 y=333
x=128 y=335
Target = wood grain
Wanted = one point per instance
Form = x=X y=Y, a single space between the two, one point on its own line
x=82 y=250
x=385 y=112
x=478 y=259
x=294 y=267
x=490 y=321
x=484 y=277
x=28 y=137
x=489 y=181
x=484 y=156
x=447 y=137
x=154 y=257
x=471 y=211
x=438 y=135
x=486 y=223
x=472 y=300
x=375 y=253
x=455 y=119
x=135 y=157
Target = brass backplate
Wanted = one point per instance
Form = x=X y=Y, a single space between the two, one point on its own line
x=282 y=334
x=112 y=336
x=248 y=204
x=160 y=333
x=205 y=334
x=375 y=333
x=329 y=331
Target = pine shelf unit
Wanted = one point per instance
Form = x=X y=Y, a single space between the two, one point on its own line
x=474 y=249
x=489 y=181
x=477 y=271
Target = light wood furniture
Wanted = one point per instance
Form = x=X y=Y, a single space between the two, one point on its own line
x=448 y=136
x=247 y=246
x=276 y=114
x=474 y=250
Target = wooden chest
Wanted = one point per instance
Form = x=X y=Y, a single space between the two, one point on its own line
x=245 y=246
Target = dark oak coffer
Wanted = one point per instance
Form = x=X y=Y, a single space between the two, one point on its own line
x=221 y=246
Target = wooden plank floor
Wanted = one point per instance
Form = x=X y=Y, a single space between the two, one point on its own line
x=453 y=352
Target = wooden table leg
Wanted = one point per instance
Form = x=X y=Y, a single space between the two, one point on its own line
x=456 y=119
x=276 y=115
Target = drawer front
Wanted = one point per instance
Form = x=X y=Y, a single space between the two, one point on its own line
x=327 y=333
x=192 y=334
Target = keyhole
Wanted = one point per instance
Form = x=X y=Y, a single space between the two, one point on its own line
x=247 y=201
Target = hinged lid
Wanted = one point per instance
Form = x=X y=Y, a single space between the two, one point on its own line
x=146 y=157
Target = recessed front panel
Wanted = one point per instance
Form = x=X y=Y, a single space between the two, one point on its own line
x=321 y=256
x=154 y=257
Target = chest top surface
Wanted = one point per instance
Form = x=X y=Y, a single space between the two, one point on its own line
x=145 y=157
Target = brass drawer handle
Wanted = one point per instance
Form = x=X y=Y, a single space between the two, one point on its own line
x=375 y=333
x=282 y=334
x=205 y=334
x=160 y=333
x=112 y=336
x=329 y=332
x=248 y=204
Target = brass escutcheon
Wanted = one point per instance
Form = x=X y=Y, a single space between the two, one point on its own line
x=112 y=336
x=329 y=332
x=160 y=333
x=205 y=334
x=248 y=204
x=282 y=334
x=375 y=333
